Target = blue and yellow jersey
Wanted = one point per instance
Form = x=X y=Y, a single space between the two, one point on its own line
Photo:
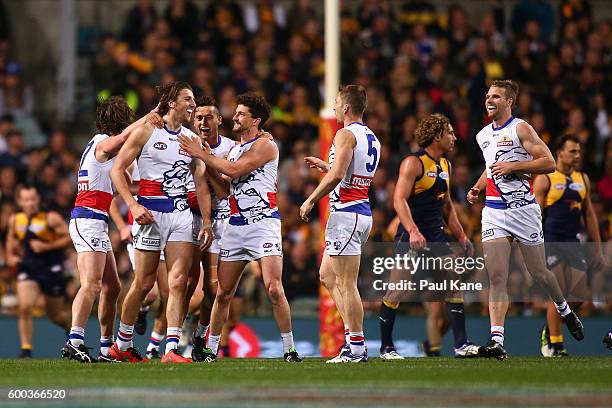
x=563 y=206
x=426 y=200
x=36 y=227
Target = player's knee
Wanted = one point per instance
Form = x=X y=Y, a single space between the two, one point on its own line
x=143 y=287
x=327 y=281
x=275 y=292
x=223 y=297
x=25 y=311
x=112 y=288
x=92 y=288
x=177 y=284
x=497 y=279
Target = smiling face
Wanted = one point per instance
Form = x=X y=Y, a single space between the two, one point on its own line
x=243 y=120
x=339 y=109
x=207 y=121
x=184 y=105
x=497 y=104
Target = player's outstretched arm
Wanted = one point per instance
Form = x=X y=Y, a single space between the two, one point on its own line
x=542 y=163
x=344 y=143
x=130 y=150
x=316 y=163
x=109 y=147
x=410 y=170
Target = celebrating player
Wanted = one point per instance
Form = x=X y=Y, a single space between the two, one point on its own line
x=35 y=244
x=253 y=231
x=513 y=152
x=422 y=202
x=564 y=197
x=163 y=219
x=89 y=229
x=353 y=159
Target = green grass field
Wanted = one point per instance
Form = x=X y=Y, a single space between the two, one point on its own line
x=575 y=381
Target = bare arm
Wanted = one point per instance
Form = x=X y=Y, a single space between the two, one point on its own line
x=13 y=257
x=132 y=147
x=218 y=183
x=316 y=163
x=204 y=202
x=410 y=170
x=542 y=163
x=541 y=184
x=452 y=219
x=480 y=185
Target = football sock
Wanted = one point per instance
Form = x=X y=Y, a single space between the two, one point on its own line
x=347 y=339
x=76 y=336
x=386 y=320
x=173 y=334
x=124 y=336
x=497 y=334
x=213 y=343
x=357 y=343
x=457 y=320
x=155 y=341
x=556 y=342
x=201 y=330
x=563 y=308
x=106 y=343
x=287 y=341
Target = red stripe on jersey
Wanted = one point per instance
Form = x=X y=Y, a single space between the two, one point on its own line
x=130 y=218
x=150 y=188
x=192 y=200
x=531 y=186
x=352 y=194
x=272 y=200
x=233 y=205
x=95 y=199
x=492 y=190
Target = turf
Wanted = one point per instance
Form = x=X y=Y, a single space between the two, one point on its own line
x=525 y=381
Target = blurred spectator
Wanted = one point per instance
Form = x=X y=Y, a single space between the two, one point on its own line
x=140 y=20
x=16 y=97
x=14 y=156
x=539 y=11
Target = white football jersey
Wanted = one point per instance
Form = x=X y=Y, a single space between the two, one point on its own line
x=351 y=194
x=503 y=145
x=95 y=190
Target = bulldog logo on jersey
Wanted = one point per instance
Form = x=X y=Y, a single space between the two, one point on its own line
x=174 y=184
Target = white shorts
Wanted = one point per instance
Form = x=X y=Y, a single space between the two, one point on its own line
x=166 y=227
x=89 y=235
x=130 y=251
x=253 y=241
x=218 y=227
x=346 y=233
x=523 y=223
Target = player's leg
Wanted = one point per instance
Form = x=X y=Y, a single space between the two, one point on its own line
x=27 y=293
x=232 y=321
x=434 y=325
x=107 y=307
x=178 y=261
x=328 y=279
x=497 y=256
x=229 y=275
x=346 y=269
x=158 y=333
x=193 y=281
x=209 y=289
x=272 y=271
x=91 y=266
x=535 y=261
x=386 y=318
x=553 y=331
x=145 y=275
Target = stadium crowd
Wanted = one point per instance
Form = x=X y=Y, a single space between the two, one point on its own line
x=413 y=58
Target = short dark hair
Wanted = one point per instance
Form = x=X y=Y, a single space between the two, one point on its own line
x=113 y=115
x=25 y=186
x=562 y=140
x=510 y=87
x=207 y=100
x=430 y=127
x=257 y=104
x=354 y=96
x=168 y=93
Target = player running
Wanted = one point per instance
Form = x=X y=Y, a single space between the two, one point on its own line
x=513 y=152
x=353 y=159
x=163 y=219
x=35 y=244
x=422 y=202
x=89 y=229
x=253 y=232
x=564 y=197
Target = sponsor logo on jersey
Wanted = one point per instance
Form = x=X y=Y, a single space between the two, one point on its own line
x=432 y=174
x=224 y=252
x=487 y=233
x=485 y=144
x=444 y=175
x=160 y=146
x=268 y=245
x=559 y=186
x=576 y=186
x=150 y=241
x=83 y=185
x=361 y=181
x=505 y=141
x=518 y=195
